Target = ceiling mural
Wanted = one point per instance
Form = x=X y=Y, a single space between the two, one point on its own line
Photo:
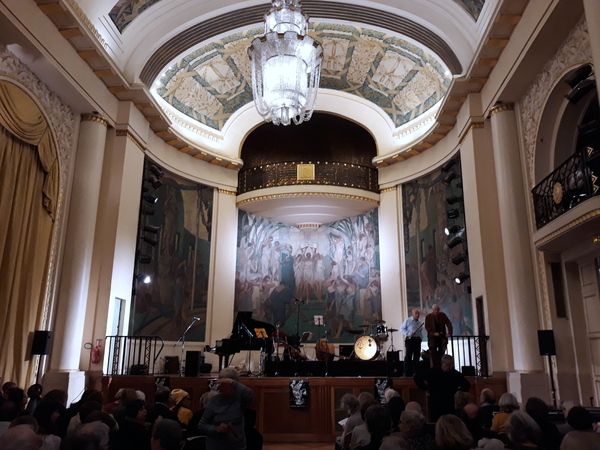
x=212 y=82
x=473 y=7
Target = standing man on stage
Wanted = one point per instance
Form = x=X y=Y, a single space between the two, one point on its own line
x=412 y=329
x=439 y=329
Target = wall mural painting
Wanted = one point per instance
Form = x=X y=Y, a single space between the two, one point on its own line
x=287 y=276
x=430 y=271
x=179 y=263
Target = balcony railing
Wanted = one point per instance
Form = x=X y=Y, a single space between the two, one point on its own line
x=132 y=355
x=470 y=354
x=326 y=173
x=572 y=183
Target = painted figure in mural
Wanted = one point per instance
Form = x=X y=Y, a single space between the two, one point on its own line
x=299 y=273
x=279 y=300
x=264 y=308
x=275 y=263
x=456 y=316
x=265 y=255
x=307 y=276
x=443 y=294
x=243 y=294
x=372 y=304
x=287 y=267
x=319 y=277
x=346 y=298
x=428 y=275
x=336 y=242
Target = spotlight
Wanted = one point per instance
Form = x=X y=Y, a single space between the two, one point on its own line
x=448 y=178
x=459 y=259
x=461 y=278
x=453 y=199
x=150 y=198
x=579 y=75
x=448 y=165
x=151 y=229
x=455 y=241
x=453 y=229
x=153 y=180
x=453 y=213
x=157 y=171
x=143 y=278
x=149 y=240
x=580 y=91
x=147 y=210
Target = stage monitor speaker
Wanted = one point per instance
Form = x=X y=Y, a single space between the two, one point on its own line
x=172 y=364
x=193 y=363
x=393 y=356
x=346 y=350
x=546 y=342
x=468 y=371
x=41 y=343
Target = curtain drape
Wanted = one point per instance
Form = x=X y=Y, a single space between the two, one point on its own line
x=28 y=192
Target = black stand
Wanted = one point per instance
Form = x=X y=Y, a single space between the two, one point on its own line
x=326 y=355
x=552 y=382
x=182 y=339
x=276 y=343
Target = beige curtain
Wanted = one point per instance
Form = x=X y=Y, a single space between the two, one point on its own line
x=29 y=180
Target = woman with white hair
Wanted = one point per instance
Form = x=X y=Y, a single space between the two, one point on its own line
x=523 y=432
x=223 y=420
x=508 y=403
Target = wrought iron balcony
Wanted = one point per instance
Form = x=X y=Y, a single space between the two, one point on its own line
x=572 y=183
x=325 y=173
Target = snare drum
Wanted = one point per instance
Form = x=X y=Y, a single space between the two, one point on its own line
x=366 y=348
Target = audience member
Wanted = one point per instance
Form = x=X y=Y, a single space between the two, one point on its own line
x=46 y=414
x=25 y=420
x=78 y=419
x=462 y=399
x=413 y=406
x=192 y=428
x=472 y=418
x=441 y=384
x=379 y=424
x=538 y=410
x=522 y=431
x=62 y=423
x=91 y=436
x=166 y=435
x=133 y=433
x=438 y=327
x=395 y=406
x=565 y=428
x=123 y=398
x=360 y=435
x=452 y=434
x=104 y=417
x=396 y=442
x=412 y=427
x=161 y=407
x=508 y=403
x=390 y=393
x=57 y=395
x=223 y=419
x=488 y=406
x=583 y=436
x=21 y=437
x=182 y=402
x=349 y=403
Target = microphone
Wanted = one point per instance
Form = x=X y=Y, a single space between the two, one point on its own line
x=196 y=318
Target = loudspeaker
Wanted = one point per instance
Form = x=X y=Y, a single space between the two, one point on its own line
x=468 y=371
x=346 y=350
x=41 y=343
x=172 y=364
x=546 y=341
x=193 y=362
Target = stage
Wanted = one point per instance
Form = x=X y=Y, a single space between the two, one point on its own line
x=277 y=421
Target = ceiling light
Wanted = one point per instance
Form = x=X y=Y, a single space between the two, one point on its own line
x=150 y=240
x=144 y=259
x=455 y=241
x=153 y=180
x=458 y=259
x=151 y=229
x=453 y=229
x=580 y=90
x=147 y=210
x=286 y=66
x=453 y=199
x=157 y=171
x=461 y=278
x=144 y=278
x=453 y=213
x=579 y=75
x=150 y=198
x=448 y=165
x=448 y=178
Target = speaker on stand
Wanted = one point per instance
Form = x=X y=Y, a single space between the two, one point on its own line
x=548 y=348
x=41 y=345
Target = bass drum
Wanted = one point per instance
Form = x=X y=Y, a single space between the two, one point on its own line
x=366 y=348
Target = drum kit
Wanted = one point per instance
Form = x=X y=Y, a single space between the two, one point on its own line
x=369 y=347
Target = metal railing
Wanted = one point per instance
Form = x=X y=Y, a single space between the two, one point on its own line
x=132 y=355
x=470 y=353
x=570 y=184
x=326 y=173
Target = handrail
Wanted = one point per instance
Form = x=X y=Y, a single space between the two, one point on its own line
x=132 y=355
x=470 y=352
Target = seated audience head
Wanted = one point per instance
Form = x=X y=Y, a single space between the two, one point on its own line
x=21 y=437
x=229 y=372
x=365 y=397
x=56 y=395
x=447 y=363
x=90 y=436
x=378 y=420
x=390 y=393
x=487 y=396
x=104 y=417
x=396 y=406
x=17 y=397
x=140 y=395
x=412 y=423
x=166 y=435
x=136 y=410
x=88 y=407
x=413 y=406
x=6 y=387
x=471 y=411
x=180 y=398
x=490 y=444
x=349 y=403
x=25 y=420
x=537 y=409
x=508 y=403
x=366 y=405
x=162 y=395
x=522 y=429
x=125 y=396
x=452 y=434
x=394 y=443
x=461 y=399
x=205 y=398
x=47 y=413
x=580 y=419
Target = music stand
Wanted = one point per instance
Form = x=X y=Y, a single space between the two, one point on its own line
x=182 y=339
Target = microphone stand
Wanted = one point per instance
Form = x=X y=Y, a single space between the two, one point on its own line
x=276 y=342
x=182 y=339
x=326 y=355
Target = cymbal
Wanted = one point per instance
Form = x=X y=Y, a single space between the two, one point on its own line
x=392 y=330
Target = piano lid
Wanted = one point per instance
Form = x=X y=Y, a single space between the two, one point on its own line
x=245 y=326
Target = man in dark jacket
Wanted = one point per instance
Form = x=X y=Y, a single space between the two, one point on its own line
x=438 y=328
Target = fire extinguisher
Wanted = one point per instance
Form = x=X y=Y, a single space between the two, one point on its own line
x=94 y=351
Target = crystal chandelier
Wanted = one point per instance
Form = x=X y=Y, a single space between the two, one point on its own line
x=286 y=65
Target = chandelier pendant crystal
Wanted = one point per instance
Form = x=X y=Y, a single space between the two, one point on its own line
x=286 y=66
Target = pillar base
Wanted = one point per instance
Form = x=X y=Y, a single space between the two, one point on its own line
x=524 y=385
x=70 y=381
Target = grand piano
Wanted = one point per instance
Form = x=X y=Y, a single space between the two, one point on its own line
x=244 y=336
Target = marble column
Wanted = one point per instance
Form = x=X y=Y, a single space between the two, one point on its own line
x=79 y=244
x=516 y=242
x=592 y=16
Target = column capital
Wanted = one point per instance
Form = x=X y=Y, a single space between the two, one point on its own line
x=87 y=117
x=501 y=108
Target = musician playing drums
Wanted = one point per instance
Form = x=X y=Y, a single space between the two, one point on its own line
x=439 y=328
x=412 y=328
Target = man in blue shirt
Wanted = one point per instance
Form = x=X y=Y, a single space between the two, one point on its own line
x=412 y=328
